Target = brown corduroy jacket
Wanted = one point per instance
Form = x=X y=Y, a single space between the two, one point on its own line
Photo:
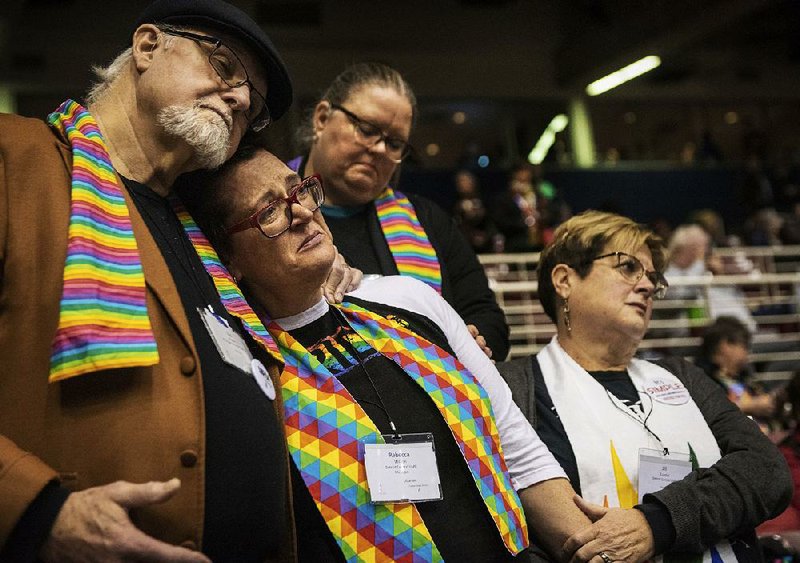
x=138 y=424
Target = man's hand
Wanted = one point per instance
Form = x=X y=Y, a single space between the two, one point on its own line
x=622 y=534
x=473 y=330
x=341 y=279
x=93 y=525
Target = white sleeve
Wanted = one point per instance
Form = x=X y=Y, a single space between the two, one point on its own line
x=528 y=459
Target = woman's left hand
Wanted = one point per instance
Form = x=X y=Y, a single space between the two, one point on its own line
x=621 y=534
x=341 y=279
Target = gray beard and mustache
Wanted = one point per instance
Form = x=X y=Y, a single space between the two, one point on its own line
x=202 y=129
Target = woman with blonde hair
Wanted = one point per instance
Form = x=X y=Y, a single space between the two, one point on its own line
x=654 y=448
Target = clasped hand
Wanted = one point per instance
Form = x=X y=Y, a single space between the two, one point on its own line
x=622 y=534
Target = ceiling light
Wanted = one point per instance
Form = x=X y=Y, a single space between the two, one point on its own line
x=623 y=75
x=539 y=151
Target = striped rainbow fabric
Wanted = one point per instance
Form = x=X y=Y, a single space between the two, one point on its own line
x=103 y=322
x=230 y=294
x=408 y=242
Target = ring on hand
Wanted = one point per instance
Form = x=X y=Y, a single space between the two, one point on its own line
x=604 y=556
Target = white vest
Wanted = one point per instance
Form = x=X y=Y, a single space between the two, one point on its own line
x=606 y=435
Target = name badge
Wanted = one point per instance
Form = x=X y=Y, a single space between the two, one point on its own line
x=403 y=469
x=667 y=392
x=231 y=347
x=657 y=470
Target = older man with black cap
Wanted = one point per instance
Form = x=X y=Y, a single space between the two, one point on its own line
x=138 y=410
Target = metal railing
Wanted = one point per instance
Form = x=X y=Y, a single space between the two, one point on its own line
x=767 y=297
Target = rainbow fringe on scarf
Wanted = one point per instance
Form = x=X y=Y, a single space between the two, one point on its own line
x=324 y=427
x=408 y=242
x=103 y=320
x=411 y=250
x=230 y=294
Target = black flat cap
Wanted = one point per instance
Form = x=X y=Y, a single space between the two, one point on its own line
x=217 y=14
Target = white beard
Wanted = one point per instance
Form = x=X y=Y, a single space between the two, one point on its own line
x=202 y=129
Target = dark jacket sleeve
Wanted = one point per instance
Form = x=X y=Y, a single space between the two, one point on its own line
x=749 y=484
x=464 y=282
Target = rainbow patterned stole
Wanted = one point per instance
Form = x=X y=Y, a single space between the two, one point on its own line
x=408 y=242
x=325 y=426
x=103 y=320
x=229 y=293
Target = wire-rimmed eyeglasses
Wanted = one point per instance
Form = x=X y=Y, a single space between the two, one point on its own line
x=233 y=73
x=632 y=269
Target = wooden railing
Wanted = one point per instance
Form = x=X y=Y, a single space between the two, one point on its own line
x=769 y=294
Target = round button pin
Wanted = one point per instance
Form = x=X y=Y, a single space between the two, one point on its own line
x=263 y=379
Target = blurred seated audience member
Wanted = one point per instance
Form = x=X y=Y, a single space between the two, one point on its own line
x=790 y=231
x=470 y=212
x=713 y=224
x=690 y=256
x=725 y=356
x=763 y=228
x=516 y=212
x=789 y=520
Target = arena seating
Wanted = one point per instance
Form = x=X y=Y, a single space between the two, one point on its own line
x=766 y=288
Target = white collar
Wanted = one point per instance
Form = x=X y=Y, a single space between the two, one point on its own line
x=306 y=317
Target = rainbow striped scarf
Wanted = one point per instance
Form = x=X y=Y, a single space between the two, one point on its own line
x=103 y=320
x=229 y=293
x=408 y=242
x=411 y=250
x=325 y=427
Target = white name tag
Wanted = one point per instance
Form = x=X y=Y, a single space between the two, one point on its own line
x=231 y=347
x=656 y=470
x=403 y=469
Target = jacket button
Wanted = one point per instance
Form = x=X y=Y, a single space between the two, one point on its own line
x=188 y=458
x=188 y=365
x=189 y=544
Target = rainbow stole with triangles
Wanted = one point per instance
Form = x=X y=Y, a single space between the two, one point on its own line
x=412 y=251
x=102 y=322
x=325 y=426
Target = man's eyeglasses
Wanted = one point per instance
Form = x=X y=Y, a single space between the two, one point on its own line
x=368 y=134
x=275 y=218
x=233 y=73
x=633 y=270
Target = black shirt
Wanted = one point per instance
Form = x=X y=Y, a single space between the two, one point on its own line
x=245 y=475
x=460 y=524
x=359 y=238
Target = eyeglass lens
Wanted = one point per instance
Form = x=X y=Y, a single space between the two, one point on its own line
x=370 y=135
x=277 y=217
x=231 y=70
x=233 y=73
x=633 y=270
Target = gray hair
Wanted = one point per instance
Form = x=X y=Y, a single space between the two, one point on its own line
x=106 y=75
